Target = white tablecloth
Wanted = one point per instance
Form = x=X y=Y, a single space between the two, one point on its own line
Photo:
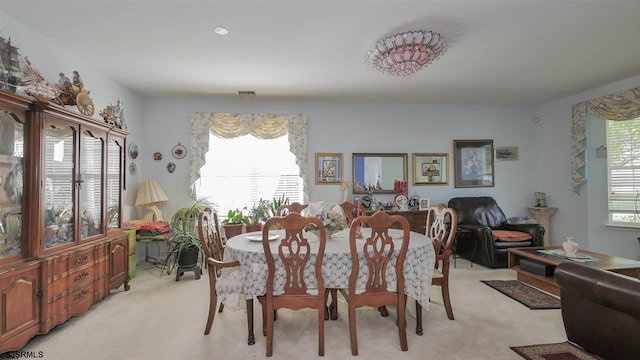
x=336 y=267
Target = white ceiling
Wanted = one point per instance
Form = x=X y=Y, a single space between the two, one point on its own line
x=505 y=53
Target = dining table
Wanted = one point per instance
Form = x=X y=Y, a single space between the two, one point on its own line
x=247 y=248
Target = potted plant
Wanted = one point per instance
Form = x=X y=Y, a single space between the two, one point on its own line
x=277 y=202
x=183 y=250
x=189 y=215
x=234 y=222
x=183 y=247
x=258 y=215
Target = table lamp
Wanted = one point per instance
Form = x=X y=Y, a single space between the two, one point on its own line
x=149 y=195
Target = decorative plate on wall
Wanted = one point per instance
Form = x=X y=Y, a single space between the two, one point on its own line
x=133 y=151
x=171 y=167
x=133 y=169
x=179 y=151
x=157 y=156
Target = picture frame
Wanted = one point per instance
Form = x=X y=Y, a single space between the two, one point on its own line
x=430 y=168
x=328 y=168
x=473 y=163
x=507 y=153
x=179 y=151
x=133 y=151
x=424 y=204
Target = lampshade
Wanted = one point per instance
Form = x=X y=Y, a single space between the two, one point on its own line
x=149 y=194
x=405 y=54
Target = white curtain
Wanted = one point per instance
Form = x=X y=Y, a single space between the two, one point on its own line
x=618 y=107
x=263 y=126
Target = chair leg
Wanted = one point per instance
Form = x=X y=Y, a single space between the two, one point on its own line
x=263 y=302
x=334 y=304
x=269 y=324
x=331 y=311
x=447 y=300
x=213 y=301
x=402 y=325
x=352 y=329
x=418 y=318
x=251 y=338
x=321 y=317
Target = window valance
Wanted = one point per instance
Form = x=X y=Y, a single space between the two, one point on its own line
x=263 y=126
x=619 y=106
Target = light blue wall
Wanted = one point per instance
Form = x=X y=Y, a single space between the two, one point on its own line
x=360 y=127
x=545 y=147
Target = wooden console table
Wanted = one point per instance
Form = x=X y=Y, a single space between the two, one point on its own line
x=417 y=219
x=616 y=264
x=543 y=217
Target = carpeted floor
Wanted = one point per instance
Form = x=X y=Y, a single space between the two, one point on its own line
x=160 y=318
x=527 y=295
x=558 y=351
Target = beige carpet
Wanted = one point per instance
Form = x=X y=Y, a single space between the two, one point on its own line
x=160 y=318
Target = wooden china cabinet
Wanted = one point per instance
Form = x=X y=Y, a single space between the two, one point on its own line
x=62 y=248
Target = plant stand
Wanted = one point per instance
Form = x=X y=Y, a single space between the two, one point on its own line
x=188 y=261
x=195 y=268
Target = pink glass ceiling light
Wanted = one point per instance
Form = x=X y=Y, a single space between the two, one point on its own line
x=405 y=54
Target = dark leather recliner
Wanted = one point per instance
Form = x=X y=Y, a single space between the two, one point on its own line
x=477 y=217
x=600 y=310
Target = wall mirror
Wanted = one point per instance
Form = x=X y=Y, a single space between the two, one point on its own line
x=377 y=172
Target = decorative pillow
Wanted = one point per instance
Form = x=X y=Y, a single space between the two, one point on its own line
x=507 y=235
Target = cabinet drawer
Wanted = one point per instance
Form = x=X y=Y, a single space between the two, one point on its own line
x=81 y=276
x=81 y=258
x=80 y=300
x=57 y=313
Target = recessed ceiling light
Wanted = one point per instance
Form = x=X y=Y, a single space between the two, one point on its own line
x=221 y=30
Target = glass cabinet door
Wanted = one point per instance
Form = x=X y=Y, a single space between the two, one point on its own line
x=58 y=175
x=114 y=174
x=90 y=182
x=11 y=184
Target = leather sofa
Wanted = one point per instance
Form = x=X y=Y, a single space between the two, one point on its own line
x=478 y=218
x=600 y=310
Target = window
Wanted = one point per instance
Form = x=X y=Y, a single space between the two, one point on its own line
x=623 y=166
x=239 y=171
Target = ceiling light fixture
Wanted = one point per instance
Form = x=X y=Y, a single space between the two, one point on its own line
x=220 y=30
x=406 y=53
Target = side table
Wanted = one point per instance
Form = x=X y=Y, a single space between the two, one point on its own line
x=543 y=215
x=146 y=239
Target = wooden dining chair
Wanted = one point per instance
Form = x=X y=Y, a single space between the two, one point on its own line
x=442 y=223
x=294 y=254
x=349 y=210
x=378 y=250
x=295 y=207
x=211 y=242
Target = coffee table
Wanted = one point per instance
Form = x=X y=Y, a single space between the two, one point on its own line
x=616 y=264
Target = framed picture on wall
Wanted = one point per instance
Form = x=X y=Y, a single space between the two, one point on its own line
x=507 y=153
x=430 y=169
x=473 y=163
x=328 y=168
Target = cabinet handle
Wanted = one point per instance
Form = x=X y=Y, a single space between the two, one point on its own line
x=82 y=294
x=81 y=259
x=81 y=276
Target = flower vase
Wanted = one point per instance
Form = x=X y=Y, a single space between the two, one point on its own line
x=570 y=247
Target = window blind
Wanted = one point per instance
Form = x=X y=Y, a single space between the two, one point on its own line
x=623 y=167
x=240 y=171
